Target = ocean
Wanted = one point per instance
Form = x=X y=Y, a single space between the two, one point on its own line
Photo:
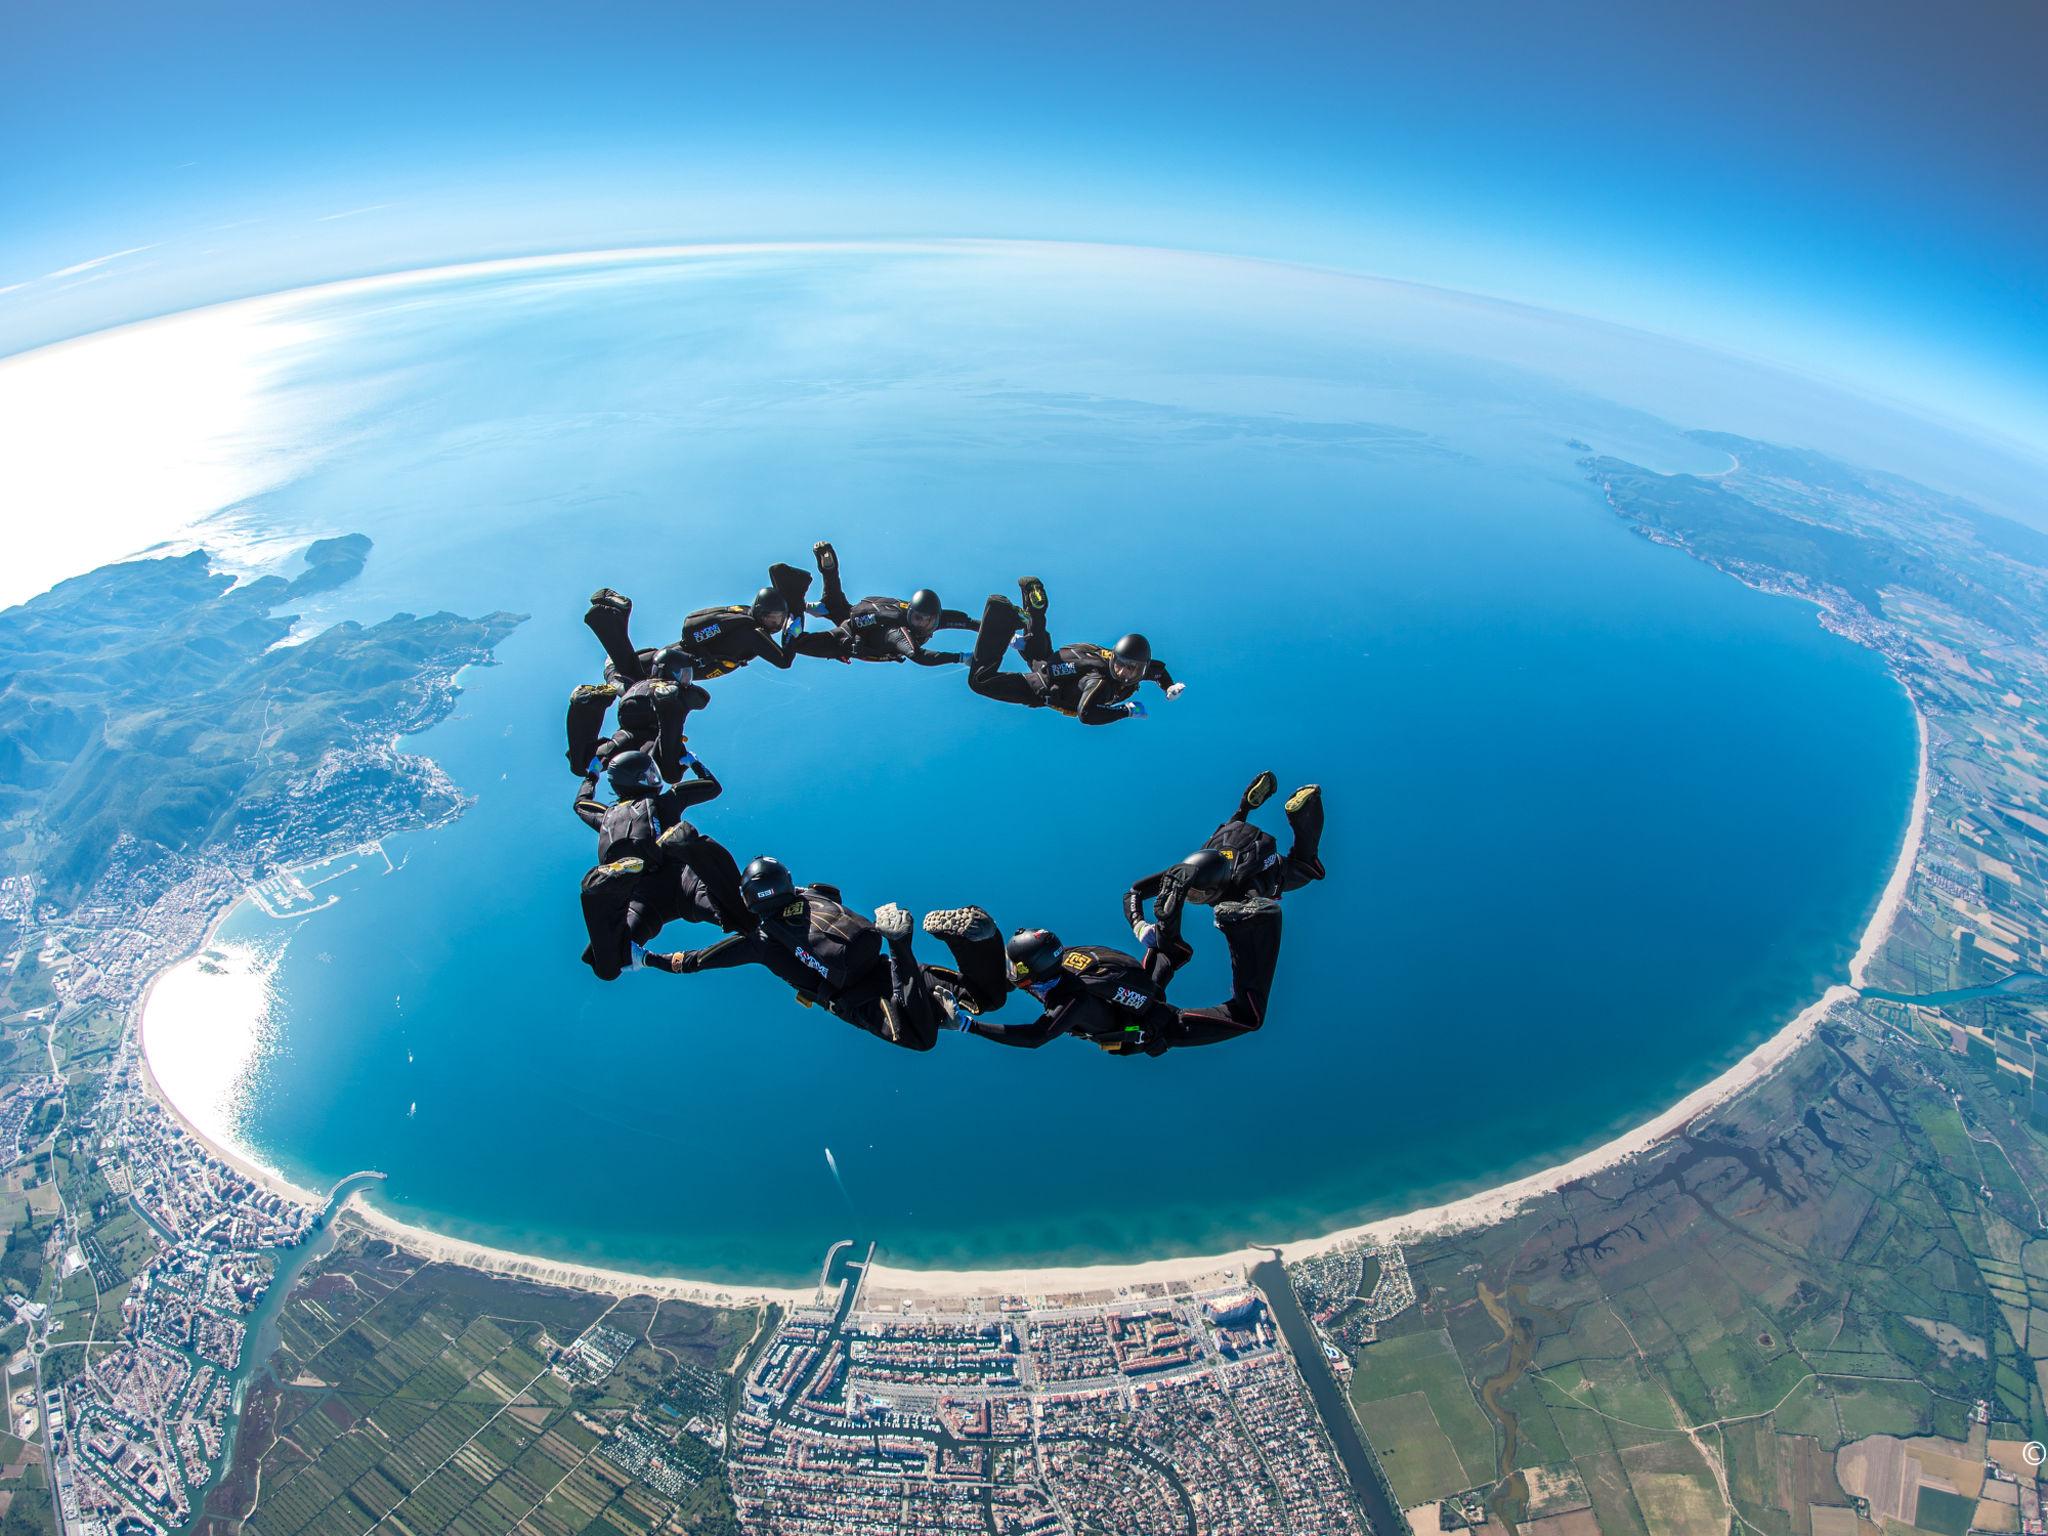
x=1600 y=818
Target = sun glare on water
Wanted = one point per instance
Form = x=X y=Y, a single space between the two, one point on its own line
x=209 y=1024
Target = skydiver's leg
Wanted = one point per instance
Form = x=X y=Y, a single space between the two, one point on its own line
x=834 y=602
x=977 y=948
x=662 y=899
x=715 y=869
x=672 y=712
x=831 y=644
x=1256 y=794
x=608 y=894
x=607 y=617
x=1036 y=646
x=588 y=706
x=792 y=583
x=1305 y=816
x=999 y=621
x=915 y=1009
x=1251 y=931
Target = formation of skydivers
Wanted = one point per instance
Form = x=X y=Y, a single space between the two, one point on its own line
x=654 y=867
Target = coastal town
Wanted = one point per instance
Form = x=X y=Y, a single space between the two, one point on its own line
x=1169 y=1408
x=139 y=1258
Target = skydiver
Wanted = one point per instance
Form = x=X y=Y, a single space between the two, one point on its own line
x=879 y=628
x=1111 y=999
x=858 y=971
x=653 y=689
x=1238 y=861
x=651 y=716
x=721 y=640
x=1093 y=683
x=653 y=867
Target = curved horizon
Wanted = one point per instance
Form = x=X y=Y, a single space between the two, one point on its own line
x=41 y=427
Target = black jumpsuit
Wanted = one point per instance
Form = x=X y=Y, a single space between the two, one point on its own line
x=651 y=716
x=653 y=701
x=879 y=629
x=722 y=640
x=838 y=960
x=653 y=868
x=1111 y=1000
x=1257 y=868
x=1075 y=679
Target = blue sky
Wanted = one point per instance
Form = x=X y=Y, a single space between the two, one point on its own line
x=1853 y=189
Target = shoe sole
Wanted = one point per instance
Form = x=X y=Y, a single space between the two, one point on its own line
x=1033 y=590
x=1303 y=795
x=1263 y=789
x=956 y=922
x=1244 y=911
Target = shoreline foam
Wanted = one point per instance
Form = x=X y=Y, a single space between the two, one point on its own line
x=1482 y=1208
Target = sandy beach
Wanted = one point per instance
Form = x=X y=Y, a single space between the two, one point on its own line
x=235 y=1157
x=1475 y=1210
x=586 y=1277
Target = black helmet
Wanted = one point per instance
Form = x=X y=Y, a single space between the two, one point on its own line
x=925 y=607
x=1133 y=654
x=766 y=885
x=1034 y=954
x=770 y=606
x=633 y=774
x=638 y=712
x=1207 y=872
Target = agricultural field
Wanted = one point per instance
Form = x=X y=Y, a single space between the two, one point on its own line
x=1726 y=1327
x=434 y=1398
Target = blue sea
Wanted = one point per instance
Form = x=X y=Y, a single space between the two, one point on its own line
x=1600 y=818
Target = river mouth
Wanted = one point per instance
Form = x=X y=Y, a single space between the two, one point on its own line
x=1600 y=818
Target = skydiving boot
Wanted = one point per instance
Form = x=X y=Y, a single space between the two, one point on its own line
x=792 y=583
x=608 y=617
x=1260 y=790
x=1305 y=816
x=977 y=948
x=834 y=605
x=893 y=923
x=588 y=706
x=1033 y=606
x=960 y=923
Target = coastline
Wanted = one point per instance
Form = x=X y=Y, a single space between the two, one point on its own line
x=1482 y=1208
x=237 y=1158
x=442 y=1249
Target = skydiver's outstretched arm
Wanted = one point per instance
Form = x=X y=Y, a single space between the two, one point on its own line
x=1165 y=950
x=1155 y=672
x=726 y=955
x=695 y=791
x=1141 y=891
x=953 y=618
x=925 y=658
x=1092 y=713
x=588 y=807
x=1047 y=1026
x=775 y=652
